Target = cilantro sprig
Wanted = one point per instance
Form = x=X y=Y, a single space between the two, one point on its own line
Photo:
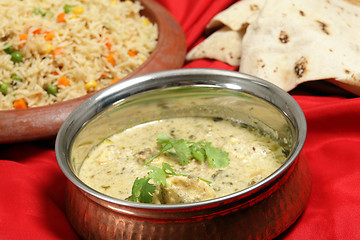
x=143 y=191
x=187 y=150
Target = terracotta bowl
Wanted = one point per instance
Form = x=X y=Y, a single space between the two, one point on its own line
x=44 y=122
x=262 y=211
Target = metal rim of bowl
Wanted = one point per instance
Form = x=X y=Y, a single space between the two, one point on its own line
x=162 y=79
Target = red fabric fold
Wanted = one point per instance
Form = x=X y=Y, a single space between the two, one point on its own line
x=32 y=184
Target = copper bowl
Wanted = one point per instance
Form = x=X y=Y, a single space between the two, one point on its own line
x=262 y=211
x=44 y=122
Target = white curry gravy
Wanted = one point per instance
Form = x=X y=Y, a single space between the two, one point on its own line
x=113 y=165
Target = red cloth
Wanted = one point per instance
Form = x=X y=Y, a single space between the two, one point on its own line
x=32 y=185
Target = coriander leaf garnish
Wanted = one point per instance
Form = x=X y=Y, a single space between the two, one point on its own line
x=187 y=150
x=168 y=170
x=146 y=192
x=158 y=175
x=197 y=152
x=142 y=190
x=216 y=157
x=163 y=139
x=207 y=181
x=183 y=151
x=165 y=142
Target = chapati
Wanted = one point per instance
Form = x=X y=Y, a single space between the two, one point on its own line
x=223 y=45
x=290 y=42
x=303 y=40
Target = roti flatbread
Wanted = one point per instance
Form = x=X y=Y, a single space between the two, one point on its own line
x=303 y=40
x=290 y=42
x=238 y=15
x=223 y=45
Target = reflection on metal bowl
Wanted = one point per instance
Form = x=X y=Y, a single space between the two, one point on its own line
x=261 y=211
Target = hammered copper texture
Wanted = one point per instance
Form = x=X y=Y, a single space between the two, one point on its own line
x=264 y=215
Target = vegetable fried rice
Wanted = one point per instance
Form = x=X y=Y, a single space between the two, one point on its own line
x=53 y=51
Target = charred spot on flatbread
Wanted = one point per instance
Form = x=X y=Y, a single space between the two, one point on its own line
x=309 y=40
x=300 y=67
x=260 y=63
x=323 y=27
x=284 y=37
x=254 y=7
